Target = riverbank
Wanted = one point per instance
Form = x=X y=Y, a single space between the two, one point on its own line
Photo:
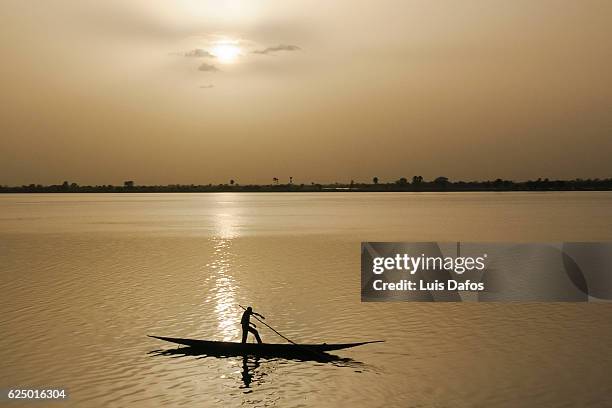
x=441 y=184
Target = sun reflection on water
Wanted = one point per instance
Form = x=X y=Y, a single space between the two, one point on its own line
x=223 y=291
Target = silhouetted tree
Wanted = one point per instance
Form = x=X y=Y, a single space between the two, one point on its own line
x=403 y=181
x=275 y=180
x=290 y=180
x=417 y=179
x=441 y=180
x=232 y=182
x=375 y=180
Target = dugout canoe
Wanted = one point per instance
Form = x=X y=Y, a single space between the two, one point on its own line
x=264 y=349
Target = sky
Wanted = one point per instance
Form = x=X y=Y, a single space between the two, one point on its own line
x=187 y=91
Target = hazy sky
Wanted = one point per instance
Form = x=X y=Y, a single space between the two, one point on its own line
x=190 y=91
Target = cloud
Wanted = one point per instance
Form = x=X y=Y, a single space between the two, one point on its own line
x=207 y=68
x=199 y=53
x=207 y=86
x=276 y=48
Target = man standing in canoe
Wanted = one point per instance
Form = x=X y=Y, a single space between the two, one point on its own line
x=246 y=325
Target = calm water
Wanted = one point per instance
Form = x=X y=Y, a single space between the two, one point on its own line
x=84 y=279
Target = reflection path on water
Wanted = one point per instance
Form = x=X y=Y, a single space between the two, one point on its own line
x=218 y=274
x=222 y=289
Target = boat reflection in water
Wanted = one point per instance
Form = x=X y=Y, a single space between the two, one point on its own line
x=250 y=363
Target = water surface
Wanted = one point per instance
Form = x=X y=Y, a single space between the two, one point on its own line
x=84 y=279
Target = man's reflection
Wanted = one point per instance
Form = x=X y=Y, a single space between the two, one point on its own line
x=248 y=372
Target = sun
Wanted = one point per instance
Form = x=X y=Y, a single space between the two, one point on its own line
x=225 y=52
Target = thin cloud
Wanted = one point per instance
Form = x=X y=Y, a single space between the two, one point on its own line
x=281 y=47
x=207 y=68
x=207 y=86
x=199 y=53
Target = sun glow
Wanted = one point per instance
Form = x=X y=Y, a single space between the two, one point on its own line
x=225 y=52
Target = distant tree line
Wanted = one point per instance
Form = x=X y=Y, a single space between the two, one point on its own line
x=416 y=183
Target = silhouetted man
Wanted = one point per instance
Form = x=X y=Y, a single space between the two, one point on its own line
x=246 y=325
